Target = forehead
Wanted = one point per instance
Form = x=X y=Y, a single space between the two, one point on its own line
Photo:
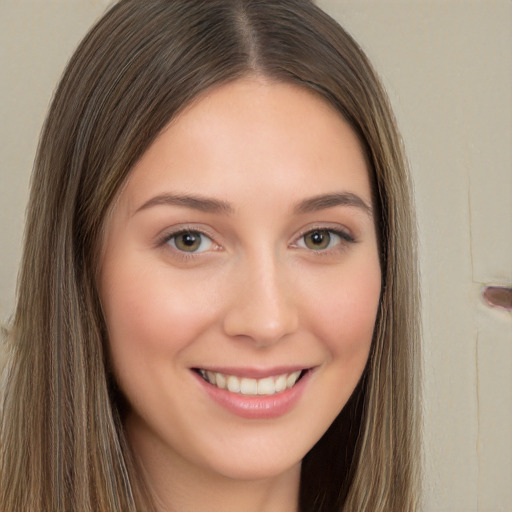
x=251 y=137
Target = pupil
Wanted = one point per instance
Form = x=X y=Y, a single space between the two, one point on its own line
x=317 y=238
x=188 y=242
x=189 y=239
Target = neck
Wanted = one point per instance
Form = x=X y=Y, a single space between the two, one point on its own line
x=208 y=494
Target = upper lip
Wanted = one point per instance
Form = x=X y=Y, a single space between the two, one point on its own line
x=253 y=372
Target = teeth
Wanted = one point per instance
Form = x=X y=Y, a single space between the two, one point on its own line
x=246 y=386
x=233 y=384
x=266 y=386
x=249 y=387
x=221 y=381
x=292 y=379
x=280 y=383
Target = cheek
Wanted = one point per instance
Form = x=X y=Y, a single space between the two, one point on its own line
x=344 y=317
x=150 y=313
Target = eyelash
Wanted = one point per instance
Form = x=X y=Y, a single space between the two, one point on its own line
x=345 y=238
x=167 y=237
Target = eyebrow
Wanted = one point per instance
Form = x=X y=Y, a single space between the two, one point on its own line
x=210 y=205
x=325 y=201
x=195 y=202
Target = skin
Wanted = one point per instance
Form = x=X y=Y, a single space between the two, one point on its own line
x=255 y=295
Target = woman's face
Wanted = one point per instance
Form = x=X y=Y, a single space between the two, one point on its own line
x=240 y=282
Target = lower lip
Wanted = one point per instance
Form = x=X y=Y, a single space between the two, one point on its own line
x=256 y=407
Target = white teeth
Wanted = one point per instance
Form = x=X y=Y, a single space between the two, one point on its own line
x=280 y=383
x=266 y=386
x=233 y=384
x=221 y=381
x=292 y=379
x=249 y=387
x=246 y=386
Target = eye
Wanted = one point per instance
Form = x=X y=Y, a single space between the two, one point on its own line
x=190 y=241
x=323 y=239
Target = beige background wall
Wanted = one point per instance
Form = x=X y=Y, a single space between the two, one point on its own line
x=448 y=68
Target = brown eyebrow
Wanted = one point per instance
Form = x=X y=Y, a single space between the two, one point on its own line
x=209 y=205
x=204 y=204
x=324 y=201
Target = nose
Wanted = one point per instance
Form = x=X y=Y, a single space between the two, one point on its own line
x=263 y=308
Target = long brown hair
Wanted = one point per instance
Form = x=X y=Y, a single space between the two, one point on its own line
x=62 y=445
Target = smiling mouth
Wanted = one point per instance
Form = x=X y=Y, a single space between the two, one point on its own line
x=253 y=387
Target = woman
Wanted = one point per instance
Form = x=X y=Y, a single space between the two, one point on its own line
x=217 y=305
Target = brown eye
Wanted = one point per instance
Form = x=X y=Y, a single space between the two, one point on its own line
x=324 y=239
x=318 y=240
x=190 y=241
